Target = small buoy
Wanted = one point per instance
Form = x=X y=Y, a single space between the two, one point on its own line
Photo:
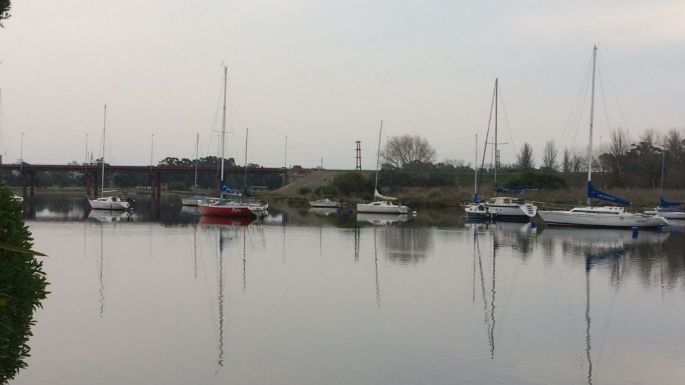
x=533 y=225
x=349 y=211
x=635 y=232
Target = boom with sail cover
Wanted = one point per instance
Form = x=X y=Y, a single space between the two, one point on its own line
x=592 y=192
x=664 y=203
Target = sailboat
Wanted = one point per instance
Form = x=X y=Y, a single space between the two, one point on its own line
x=477 y=210
x=501 y=208
x=667 y=209
x=225 y=207
x=109 y=202
x=603 y=216
x=381 y=204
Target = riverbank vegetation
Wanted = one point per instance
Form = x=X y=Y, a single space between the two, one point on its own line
x=22 y=287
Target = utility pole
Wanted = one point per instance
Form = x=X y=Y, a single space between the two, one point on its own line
x=358 y=163
x=21 y=152
x=152 y=148
x=285 y=156
x=85 y=160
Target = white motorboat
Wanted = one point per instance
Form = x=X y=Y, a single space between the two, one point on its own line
x=604 y=216
x=324 y=203
x=109 y=203
x=18 y=198
x=503 y=208
x=381 y=204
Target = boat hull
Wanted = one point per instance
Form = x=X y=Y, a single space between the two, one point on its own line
x=381 y=208
x=477 y=212
x=520 y=212
x=667 y=214
x=235 y=211
x=108 y=205
x=581 y=219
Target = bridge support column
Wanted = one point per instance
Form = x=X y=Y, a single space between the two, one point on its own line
x=88 y=179
x=156 y=193
x=24 y=185
x=32 y=180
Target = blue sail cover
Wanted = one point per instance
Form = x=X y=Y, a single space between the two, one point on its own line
x=664 y=203
x=592 y=192
x=227 y=190
x=478 y=199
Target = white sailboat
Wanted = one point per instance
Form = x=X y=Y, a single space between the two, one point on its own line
x=604 y=216
x=381 y=204
x=501 y=208
x=477 y=210
x=667 y=209
x=109 y=202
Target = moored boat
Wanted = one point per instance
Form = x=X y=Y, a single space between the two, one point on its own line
x=604 y=216
x=226 y=208
x=381 y=204
x=109 y=203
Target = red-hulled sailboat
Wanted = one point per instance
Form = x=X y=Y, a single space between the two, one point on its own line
x=225 y=207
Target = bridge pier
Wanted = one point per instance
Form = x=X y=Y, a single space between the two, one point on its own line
x=156 y=193
x=28 y=182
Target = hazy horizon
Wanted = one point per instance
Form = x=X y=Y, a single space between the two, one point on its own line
x=326 y=73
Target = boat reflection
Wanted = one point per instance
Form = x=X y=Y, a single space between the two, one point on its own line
x=225 y=221
x=107 y=216
x=190 y=210
x=324 y=211
x=382 y=219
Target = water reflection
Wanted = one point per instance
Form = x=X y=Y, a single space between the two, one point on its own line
x=382 y=219
x=345 y=304
x=109 y=216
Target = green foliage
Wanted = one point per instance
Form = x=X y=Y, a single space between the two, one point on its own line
x=539 y=180
x=5 y=6
x=22 y=287
x=353 y=183
x=123 y=180
x=177 y=185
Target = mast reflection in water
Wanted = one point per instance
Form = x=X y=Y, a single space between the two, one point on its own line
x=327 y=299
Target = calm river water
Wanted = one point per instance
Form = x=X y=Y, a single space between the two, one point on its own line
x=307 y=298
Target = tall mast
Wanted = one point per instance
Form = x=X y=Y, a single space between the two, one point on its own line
x=592 y=116
x=102 y=177
x=475 y=178
x=378 y=159
x=197 y=146
x=663 y=167
x=223 y=127
x=496 y=150
x=247 y=132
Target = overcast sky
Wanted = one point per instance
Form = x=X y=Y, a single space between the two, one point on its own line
x=325 y=72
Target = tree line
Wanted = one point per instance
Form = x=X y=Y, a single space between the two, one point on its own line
x=625 y=162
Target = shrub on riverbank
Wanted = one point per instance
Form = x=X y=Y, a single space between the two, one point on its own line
x=22 y=287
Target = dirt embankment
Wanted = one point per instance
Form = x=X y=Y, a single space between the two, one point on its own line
x=311 y=182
